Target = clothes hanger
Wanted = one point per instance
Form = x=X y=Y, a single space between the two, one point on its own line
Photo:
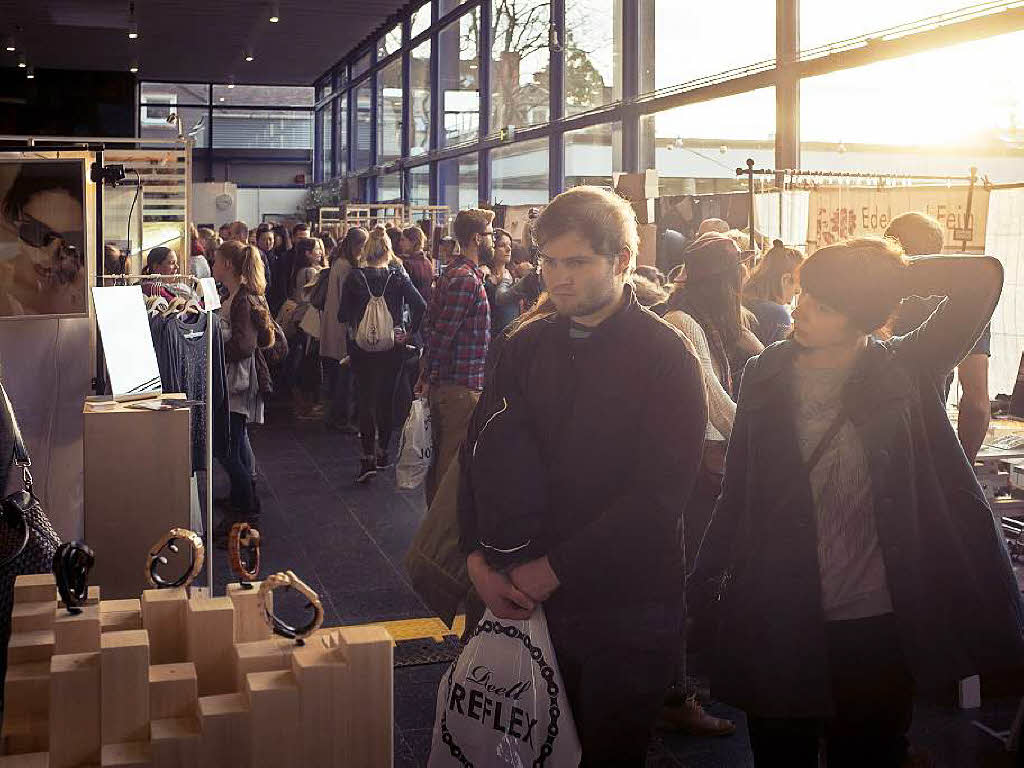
x=175 y=306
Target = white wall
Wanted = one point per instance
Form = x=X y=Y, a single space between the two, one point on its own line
x=204 y=206
x=255 y=202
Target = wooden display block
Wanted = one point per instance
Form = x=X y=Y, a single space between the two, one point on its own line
x=79 y=632
x=647 y=254
x=274 y=710
x=324 y=701
x=211 y=635
x=30 y=617
x=27 y=689
x=224 y=722
x=120 y=615
x=74 y=710
x=134 y=754
x=23 y=734
x=261 y=656
x=173 y=690
x=34 y=760
x=249 y=623
x=125 y=512
x=92 y=598
x=636 y=186
x=644 y=210
x=369 y=653
x=35 y=588
x=24 y=647
x=163 y=616
x=125 y=686
x=174 y=742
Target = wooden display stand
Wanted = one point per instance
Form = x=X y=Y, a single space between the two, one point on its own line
x=138 y=466
x=217 y=701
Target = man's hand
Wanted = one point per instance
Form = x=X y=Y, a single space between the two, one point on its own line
x=536 y=579
x=497 y=592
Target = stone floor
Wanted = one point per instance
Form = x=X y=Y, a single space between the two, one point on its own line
x=347 y=542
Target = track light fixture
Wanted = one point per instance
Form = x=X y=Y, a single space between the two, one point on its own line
x=9 y=44
x=231 y=81
x=275 y=13
x=133 y=25
x=30 y=74
x=248 y=54
x=21 y=61
x=134 y=68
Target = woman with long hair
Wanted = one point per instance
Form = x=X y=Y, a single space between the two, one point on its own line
x=159 y=261
x=770 y=289
x=334 y=343
x=246 y=326
x=377 y=371
x=852 y=557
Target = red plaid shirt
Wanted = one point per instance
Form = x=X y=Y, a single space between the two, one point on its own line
x=458 y=327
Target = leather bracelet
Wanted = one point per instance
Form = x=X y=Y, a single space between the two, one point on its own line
x=244 y=536
x=287 y=580
x=71 y=565
x=169 y=540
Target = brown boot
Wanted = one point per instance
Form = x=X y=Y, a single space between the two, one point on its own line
x=690 y=718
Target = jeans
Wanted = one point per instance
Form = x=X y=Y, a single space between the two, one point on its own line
x=376 y=374
x=873 y=696
x=338 y=382
x=240 y=464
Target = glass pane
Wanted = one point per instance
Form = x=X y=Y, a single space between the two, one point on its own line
x=323 y=87
x=520 y=63
x=688 y=43
x=266 y=95
x=389 y=112
x=593 y=54
x=420 y=20
x=327 y=126
x=457 y=182
x=178 y=93
x=848 y=121
x=820 y=24
x=390 y=43
x=262 y=129
x=341 y=135
x=446 y=6
x=694 y=146
x=389 y=188
x=363 y=127
x=419 y=185
x=153 y=123
x=361 y=65
x=593 y=154
x=519 y=173
x=460 y=79
x=419 y=92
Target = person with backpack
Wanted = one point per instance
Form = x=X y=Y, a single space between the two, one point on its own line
x=372 y=304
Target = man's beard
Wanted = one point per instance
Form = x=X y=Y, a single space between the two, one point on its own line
x=486 y=254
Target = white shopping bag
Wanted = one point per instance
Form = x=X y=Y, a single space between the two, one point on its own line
x=502 y=702
x=311 y=322
x=416 y=449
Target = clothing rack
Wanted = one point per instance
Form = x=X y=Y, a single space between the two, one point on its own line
x=194 y=281
x=782 y=174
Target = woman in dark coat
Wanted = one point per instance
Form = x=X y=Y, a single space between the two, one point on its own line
x=852 y=558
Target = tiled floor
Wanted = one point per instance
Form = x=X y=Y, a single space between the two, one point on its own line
x=347 y=542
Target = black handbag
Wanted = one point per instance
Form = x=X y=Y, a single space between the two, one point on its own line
x=27 y=539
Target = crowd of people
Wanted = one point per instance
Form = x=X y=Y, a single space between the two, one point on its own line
x=739 y=476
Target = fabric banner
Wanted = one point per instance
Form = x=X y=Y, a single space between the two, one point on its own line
x=791 y=208
x=840 y=212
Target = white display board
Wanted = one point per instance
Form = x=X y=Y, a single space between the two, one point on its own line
x=127 y=342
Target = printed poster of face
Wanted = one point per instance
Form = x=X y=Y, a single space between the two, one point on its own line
x=43 y=268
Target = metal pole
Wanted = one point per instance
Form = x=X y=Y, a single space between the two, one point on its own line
x=210 y=320
x=750 y=200
x=970 y=203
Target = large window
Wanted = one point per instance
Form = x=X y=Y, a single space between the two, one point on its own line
x=341 y=140
x=389 y=187
x=419 y=185
x=457 y=182
x=419 y=99
x=363 y=128
x=692 y=40
x=262 y=129
x=327 y=128
x=263 y=95
x=194 y=122
x=420 y=20
x=593 y=154
x=821 y=24
x=519 y=173
x=389 y=112
x=593 y=54
x=709 y=141
x=520 y=62
x=460 y=79
x=390 y=43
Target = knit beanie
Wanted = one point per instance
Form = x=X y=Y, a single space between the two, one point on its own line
x=710 y=255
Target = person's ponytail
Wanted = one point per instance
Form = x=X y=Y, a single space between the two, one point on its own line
x=253 y=274
x=378 y=249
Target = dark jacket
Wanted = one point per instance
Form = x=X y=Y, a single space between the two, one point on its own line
x=397 y=289
x=954 y=595
x=619 y=419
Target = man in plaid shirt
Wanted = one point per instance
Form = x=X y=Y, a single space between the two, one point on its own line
x=456 y=335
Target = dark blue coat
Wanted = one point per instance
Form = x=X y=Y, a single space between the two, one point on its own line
x=955 y=598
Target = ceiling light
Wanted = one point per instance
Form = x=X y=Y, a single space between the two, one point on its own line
x=21 y=61
x=275 y=13
x=134 y=67
x=249 y=56
x=133 y=31
x=9 y=45
x=231 y=81
x=30 y=74
x=221 y=98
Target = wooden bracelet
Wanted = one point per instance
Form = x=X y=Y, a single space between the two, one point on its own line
x=244 y=536
x=154 y=559
x=287 y=580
